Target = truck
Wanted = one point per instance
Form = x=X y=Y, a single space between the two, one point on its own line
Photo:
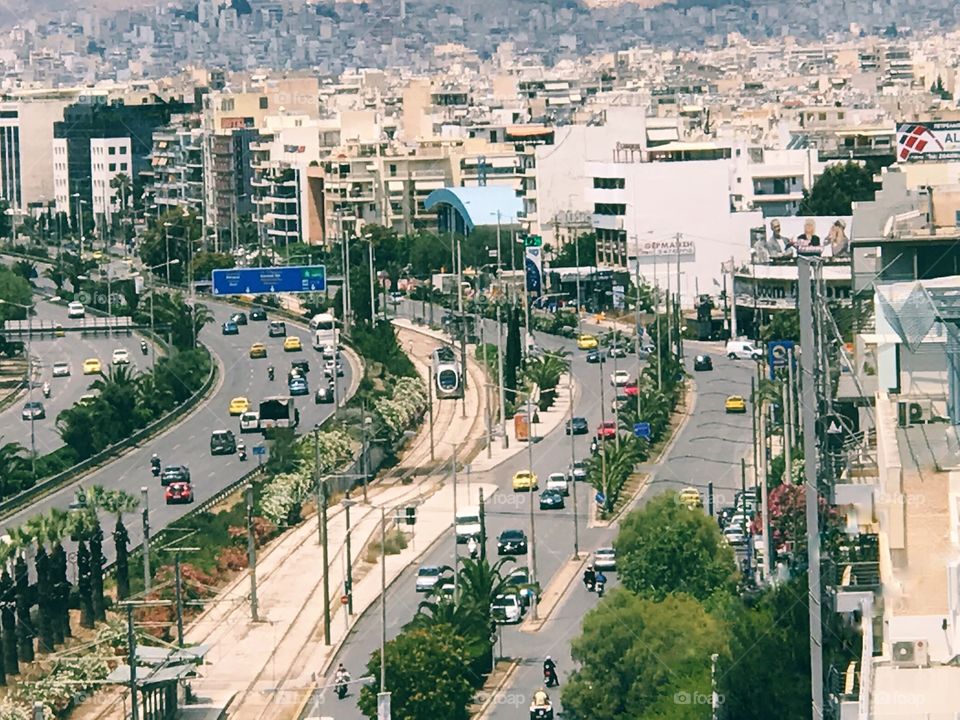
x=278 y=411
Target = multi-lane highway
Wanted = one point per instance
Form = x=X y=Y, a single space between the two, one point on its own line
x=708 y=447
x=188 y=442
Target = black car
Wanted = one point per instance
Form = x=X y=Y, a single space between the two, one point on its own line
x=595 y=356
x=702 y=362
x=258 y=314
x=239 y=318
x=616 y=351
x=512 y=542
x=174 y=473
x=577 y=426
x=551 y=500
x=302 y=365
x=324 y=394
x=278 y=328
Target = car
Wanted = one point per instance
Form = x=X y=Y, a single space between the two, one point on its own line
x=298 y=386
x=466 y=524
x=178 y=492
x=238 y=406
x=120 y=356
x=587 y=342
x=302 y=365
x=631 y=389
x=87 y=399
x=619 y=378
x=223 y=442
x=258 y=314
x=702 y=362
x=277 y=328
x=331 y=366
x=577 y=426
x=607 y=430
x=512 y=542
x=646 y=351
x=174 y=473
x=250 y=421
x=61 y=369
x=742 y=350
x=325 y=394
x=230 y=328
x=551 y=500
x=58 y=330
x=506 y=609
x=735 y=404
x=328 y=352
x=605 y=558
x=734 y=535
x=427 y=578
x=525 y=480
x=239 y=318
x=33 y=410
x=617 y=351
x=519 y=581
x=396 y=296
x=577 y=472
x=595 y=356
x=690 y=497
x=292 y=344
x=76 y=310
x=723 y=517
x=91 y=366
x=258 y=350
x=558 y=481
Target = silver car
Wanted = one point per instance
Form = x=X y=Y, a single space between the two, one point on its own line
x=427 y=577
x=605 y=559
x=61 y=369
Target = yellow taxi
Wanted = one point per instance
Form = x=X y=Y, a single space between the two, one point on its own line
x=525 y=480
x=58 y=330
x=292 y=344
x=690 y=497
x=239 y=405
x=587 y=342
x=91 y=366
x=735 y=404
x=258 y=350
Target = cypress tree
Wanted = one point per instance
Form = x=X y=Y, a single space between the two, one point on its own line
x=61 y=594
x=83 y=586
x=8 y=622
x=25 y=630
x=45 y=601
x=97 y=561
x=512 y=353
x=122 y=539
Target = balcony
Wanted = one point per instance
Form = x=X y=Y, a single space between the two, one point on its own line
x=607 y=222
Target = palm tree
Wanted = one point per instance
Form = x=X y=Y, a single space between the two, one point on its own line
x=56 y=275
x=118 y=389
x=122 y=184
x=36 y=528
x=476 y=628
x=96 y=498
x=183 y=322
x=8 y=618
x=56 y=527
x=120 y=502
x=82 y=525
x=13 y=465
x=480 y=582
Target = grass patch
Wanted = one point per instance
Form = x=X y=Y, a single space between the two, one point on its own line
x=396 y=542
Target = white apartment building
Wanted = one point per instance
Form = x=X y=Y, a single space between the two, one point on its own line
x=109 y=157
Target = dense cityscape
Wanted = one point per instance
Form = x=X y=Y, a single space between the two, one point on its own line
x=408 y=360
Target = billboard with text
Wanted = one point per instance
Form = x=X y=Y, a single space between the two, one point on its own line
x=928 y=141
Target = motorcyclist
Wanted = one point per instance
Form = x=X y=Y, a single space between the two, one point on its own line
x=242 y=450
x=155 y=460
x=589 y=578
x=143 y=346
x=540 y=698
x=46 y=389
x=472 y=546
x=270 y=372
x=594 y=446
x=341 y=679
x=550 y=671
x=601 y=583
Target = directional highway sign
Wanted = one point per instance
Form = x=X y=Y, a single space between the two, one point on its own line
x=258 y=281
x=641 y=430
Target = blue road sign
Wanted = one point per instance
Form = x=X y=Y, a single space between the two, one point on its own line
x=258 y=281
x=641 y=430
x=778 y=354
x=259 y=450
x=600 y=498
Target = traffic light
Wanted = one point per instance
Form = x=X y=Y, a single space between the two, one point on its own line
x=411 y=515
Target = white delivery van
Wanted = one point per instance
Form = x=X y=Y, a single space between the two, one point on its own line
x=467 y=523
x=743 y=350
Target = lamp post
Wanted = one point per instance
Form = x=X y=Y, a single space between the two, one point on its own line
x=166 y=240
x=33 y=436
x=150 y=269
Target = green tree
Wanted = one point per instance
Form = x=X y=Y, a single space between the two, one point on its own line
x=119 y=503
x=783 y=325
x=183 y=323
x=84 y=585
x=640 y=658
x=26 y=269
x=567 y=255
x=15 y=291
x=512 y=354
x=8 y=616
x=204 y=263
x=26 y=632
x=168 y=239
x=837 y=189
x=13 y=468
x=425 y=673
x=666 y=548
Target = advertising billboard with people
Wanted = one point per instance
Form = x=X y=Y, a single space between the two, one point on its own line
x=787 y=237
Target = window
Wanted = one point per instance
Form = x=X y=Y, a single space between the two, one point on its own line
x=226 y=105
x=264 y=103
x=822 y=117
x=609 y=209
x=112 y=150
x=393 y=171
x=123 y=149
x=123 y=167
x=600 y=183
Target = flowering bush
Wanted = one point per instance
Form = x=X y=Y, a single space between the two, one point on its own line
x=405 y=405
x=66 y=684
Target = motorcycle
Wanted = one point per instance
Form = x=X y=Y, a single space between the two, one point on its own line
x=594 y=447
x=550 y=678
x=472 y=548
x=270 y=373
x=589 y=583
x=46 y=390
x=341 y=690
x=143 y=346
x=600 y=584
x=155 y=467
x=242 y=452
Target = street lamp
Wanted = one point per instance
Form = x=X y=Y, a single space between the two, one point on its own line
x=150 y=269
x=166 y=240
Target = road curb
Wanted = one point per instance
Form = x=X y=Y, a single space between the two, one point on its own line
x=507 y=676
x=556 y=596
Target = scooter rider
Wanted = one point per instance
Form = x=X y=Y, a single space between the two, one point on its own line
x=270 y=372
x=540 y=698
x=341 y=679
x=472 y=546
x=600 y=583
x=550 y=672
x=242 y=450
x=589 y=578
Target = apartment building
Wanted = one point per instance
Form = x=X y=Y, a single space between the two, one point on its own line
x=175 y=177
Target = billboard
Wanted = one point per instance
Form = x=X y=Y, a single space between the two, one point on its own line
x=928 y=141
x=533 y=262
x=784 y=237
x=667 y=247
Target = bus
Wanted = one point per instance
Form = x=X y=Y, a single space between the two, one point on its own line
x=447 y=373
x=278 y=412
x=325 y=332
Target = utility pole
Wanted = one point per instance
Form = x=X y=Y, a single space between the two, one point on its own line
x=483 y=528
x=462 y=324
x=383 y=697
x=787 y=432
x=179 y=592
x=252 y=556
x=145 y=517
x=532 y=546
x=430 y=408
x=576 y=252
x=762 y=479
x=503 y=394
x=733 y=302
x=373 y=297
x=573 y=459
x=132 y=662
x=811 y=348
x=456 y=549
x=348 y=583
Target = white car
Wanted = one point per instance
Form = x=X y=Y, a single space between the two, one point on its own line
x=619 y=378
x=558 y=481
x=605 y=559
x=249 y=421
x=120 y=357
x=427 y=577
x=76 y=310
x=61 y=369
x=506 y=609
x=734 y=535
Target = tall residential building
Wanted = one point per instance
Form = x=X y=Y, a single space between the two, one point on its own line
x=175 y=177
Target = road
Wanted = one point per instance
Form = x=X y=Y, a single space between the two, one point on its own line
x=698 y=453
x=188 y=442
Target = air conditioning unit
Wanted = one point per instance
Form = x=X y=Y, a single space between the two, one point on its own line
x=910 y=653
x=914 y=412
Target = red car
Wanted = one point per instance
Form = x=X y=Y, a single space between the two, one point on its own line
x=179 y=492
x=630 y=388
x=607 y=429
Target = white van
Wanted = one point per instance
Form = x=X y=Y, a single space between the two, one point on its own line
x=467 y=523
x=743 y=350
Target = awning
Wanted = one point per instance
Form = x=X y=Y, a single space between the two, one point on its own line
x=147 y=676
x=395 y=185
x=528 y=130
x=502 y=162
x=429 y=184
x=662 y=134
